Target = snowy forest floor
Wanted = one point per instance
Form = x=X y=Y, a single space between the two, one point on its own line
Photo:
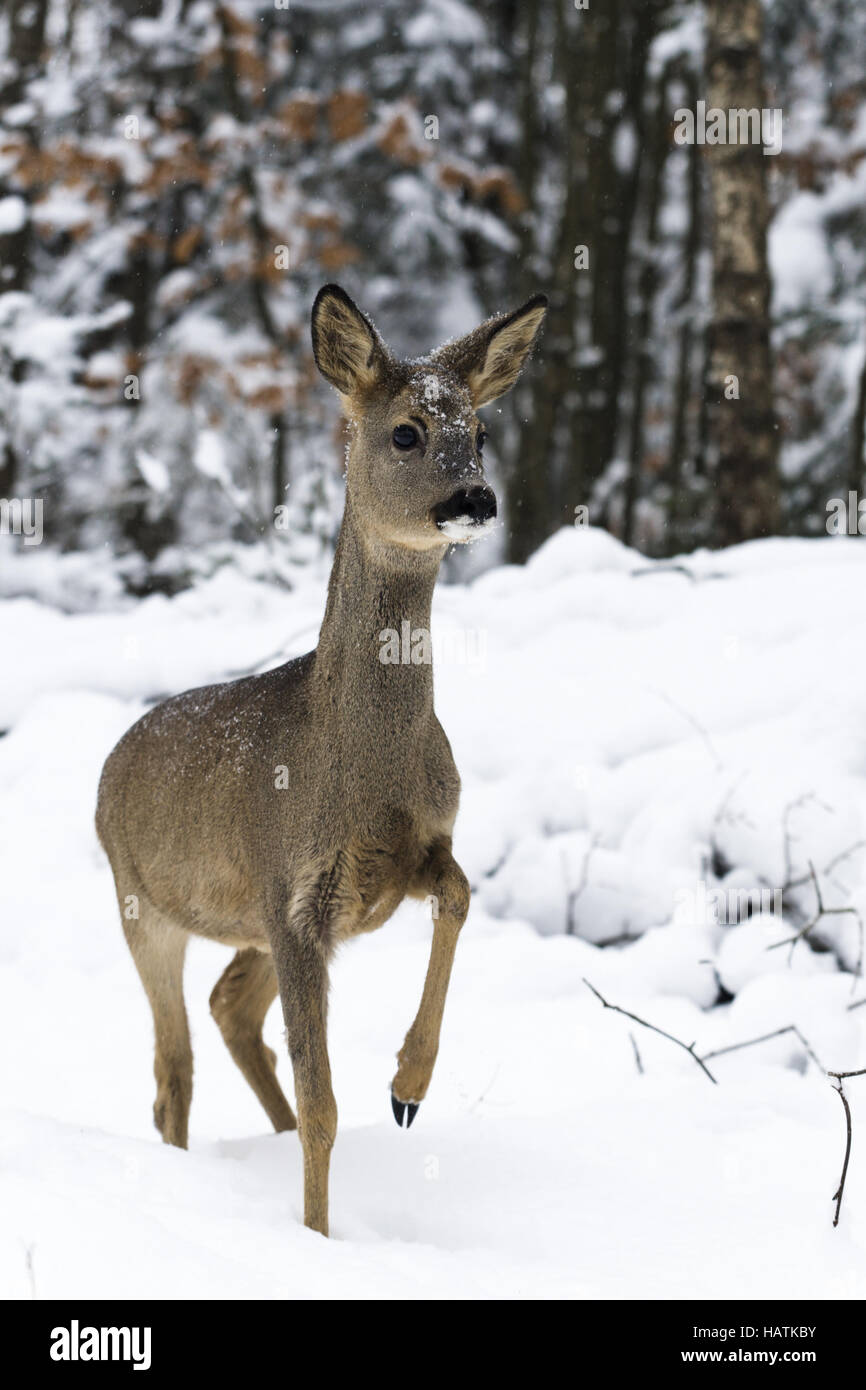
x=632 y=738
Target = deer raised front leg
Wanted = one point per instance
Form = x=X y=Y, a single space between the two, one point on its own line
x=441 y=879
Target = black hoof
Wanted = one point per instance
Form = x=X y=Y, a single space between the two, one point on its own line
x=401 y=1108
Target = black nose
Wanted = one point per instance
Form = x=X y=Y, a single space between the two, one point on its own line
x=474 y=504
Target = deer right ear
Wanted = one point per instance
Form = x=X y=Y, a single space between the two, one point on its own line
x=490 y=358
x=348 y=351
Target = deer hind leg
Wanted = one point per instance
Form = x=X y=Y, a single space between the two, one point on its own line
x=158 y=948
x=239 y=1002
x=441 y=879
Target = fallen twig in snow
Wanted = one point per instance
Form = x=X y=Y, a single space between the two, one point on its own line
x=765 y=1037
x=479 y=1099
x=687 y=1047
x=637 y=1059
x=625 y=938
x=677 y=569
x=702 y=1059
x=664 y=569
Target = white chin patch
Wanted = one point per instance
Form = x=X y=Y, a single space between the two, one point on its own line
x=463 y=529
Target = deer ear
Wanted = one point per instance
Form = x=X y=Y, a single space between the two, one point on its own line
x=490 y=358
x=348 y=351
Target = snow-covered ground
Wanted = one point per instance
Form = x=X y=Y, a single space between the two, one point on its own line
x=635 y=742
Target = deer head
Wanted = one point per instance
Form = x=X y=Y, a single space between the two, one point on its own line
x=415 y=472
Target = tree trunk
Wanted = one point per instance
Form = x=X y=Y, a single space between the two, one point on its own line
x=533 y=464
x=567 y=435
x=686 y=380
x=279 y=460
x=647 y=284
x=738 y=387
x=26 y=37
x=858 y=433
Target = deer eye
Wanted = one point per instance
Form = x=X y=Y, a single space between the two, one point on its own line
x=481 y=439
x=405 y=437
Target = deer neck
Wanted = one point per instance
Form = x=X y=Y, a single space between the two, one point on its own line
x=373 y=661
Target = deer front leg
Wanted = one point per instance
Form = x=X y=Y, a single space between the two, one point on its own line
x=303 y=979
x=441 y=879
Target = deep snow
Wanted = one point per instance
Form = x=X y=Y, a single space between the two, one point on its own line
x=623 y=729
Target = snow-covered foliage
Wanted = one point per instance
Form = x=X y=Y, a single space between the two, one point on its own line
x=177 y=180
x=173 y=191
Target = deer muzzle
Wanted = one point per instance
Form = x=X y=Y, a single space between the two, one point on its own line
x=466 y=513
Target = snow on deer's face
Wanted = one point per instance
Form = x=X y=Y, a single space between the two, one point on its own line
x=415 y=475
x=416 y=464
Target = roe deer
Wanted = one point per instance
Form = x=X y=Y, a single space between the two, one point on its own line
x=210 y=837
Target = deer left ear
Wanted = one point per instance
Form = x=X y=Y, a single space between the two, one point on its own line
x=348 y=351
x=490 y=358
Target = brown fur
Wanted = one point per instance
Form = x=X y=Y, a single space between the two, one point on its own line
x=189 y=812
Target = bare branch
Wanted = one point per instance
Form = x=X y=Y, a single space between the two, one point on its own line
x=841 y=1076
x=845 y=854
x=791 y=807
x=483 y=1096
x=822 y=912
x=664 y=569
x=696 y=725
x=687 y=1047
x=574 y=893
x=724 y=816
x=765 y=1037
x=840 y=1190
